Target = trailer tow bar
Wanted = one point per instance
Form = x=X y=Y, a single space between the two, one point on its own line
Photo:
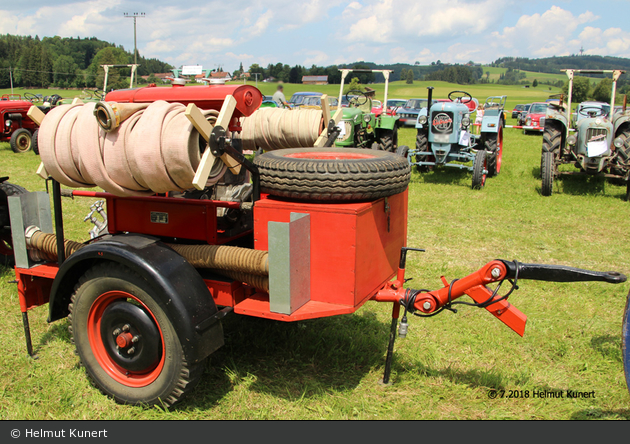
x=426 y=303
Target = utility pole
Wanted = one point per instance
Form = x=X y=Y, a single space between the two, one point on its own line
x=134 y=16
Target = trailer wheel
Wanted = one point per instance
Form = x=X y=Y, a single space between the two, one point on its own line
x=480 y=167
x=546 y=169
x=21 y=140
x=126 y=341
x=332 y=174
x=494 y=146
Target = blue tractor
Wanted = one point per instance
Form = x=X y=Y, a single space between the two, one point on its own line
x=444 y=137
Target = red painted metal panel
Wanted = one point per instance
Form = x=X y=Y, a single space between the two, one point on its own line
x=34 y=285
x=352 y=252
x=248 y=98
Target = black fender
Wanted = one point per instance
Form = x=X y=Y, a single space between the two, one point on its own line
x=176 y=286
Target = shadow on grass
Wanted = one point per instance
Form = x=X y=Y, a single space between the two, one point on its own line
x=608 y=345
x=581 y=185
x=292 y=360
x=446 y=176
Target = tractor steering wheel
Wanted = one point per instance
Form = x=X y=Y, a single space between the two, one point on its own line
x=356 y=101
x=453 y=97
x=31 y=97
x=588 y=111
x=98 y=94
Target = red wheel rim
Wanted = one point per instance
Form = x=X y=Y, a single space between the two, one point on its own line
x=499 y=149
x=330 y=156
x=113 y=369
x=485 y=168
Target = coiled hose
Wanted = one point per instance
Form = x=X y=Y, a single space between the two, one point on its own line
x=241 y=264
x=277 y=128
x=156 y=150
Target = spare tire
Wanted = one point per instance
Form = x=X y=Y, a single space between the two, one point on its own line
x=332 y=174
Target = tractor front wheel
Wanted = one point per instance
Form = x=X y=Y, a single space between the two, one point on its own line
x=480 y=168
x=388 y=140
x=422 y=145
x=126 y=341
x=547 y=170
x=21 y=140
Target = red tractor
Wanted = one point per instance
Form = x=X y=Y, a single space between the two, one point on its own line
x=297 y=234
x=17 y=128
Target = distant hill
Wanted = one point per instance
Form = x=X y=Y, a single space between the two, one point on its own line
x=554 y=65
x=63 y=62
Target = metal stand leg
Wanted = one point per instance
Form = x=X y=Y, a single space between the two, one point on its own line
x=27 y=335
x=390 y=347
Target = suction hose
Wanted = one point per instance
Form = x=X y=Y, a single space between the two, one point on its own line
x=241 y=264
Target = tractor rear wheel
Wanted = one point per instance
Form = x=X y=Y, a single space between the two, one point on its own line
x=332 y=174
x=35 y=145
x=494 y=146
x=480 y=168
x=126 y=341
x=21 y=140
x=547 y=170
x=388 y=140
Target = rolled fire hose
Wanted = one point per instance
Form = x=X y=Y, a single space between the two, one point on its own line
x=242 y=264
x=155 y=150
x=277 y=128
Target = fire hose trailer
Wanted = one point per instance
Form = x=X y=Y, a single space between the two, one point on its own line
x=295 y=234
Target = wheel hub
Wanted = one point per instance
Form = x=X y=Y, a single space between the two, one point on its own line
x=130 y=337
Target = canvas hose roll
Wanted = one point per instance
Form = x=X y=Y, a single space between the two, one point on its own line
x=154 y=150
x=242 y=264
x=278 y=128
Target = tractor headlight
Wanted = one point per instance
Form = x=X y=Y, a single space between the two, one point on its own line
x=466 y=120
x=572 y=140
x=367 y=118
x=422 y=120
x=618 y=142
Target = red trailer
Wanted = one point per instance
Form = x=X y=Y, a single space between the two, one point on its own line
x=322 y=232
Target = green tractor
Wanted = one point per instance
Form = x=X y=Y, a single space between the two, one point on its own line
x=360 y=127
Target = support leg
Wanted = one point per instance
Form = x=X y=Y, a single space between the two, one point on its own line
x=27 y=335
x=390 y=347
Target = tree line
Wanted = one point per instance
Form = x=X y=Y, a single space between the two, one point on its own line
x=67 y=62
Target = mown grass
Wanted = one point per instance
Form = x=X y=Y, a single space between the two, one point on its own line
x=329 y=368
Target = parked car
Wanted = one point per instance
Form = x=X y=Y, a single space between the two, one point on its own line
x=316 y=103
x=297 y=99
x=377 y=107
x=535 y=118
x=408 y=113
x=517 y=110
x=393 y=105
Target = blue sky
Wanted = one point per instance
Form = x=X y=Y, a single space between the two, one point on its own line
x=226 y=33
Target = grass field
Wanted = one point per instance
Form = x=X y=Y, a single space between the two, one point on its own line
x=447 y=366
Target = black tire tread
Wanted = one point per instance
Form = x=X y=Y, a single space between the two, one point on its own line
x=332 y=180
x=552 y=138
x=422 y=142
x=189 y=374
x=546 y=171
x=478 y=181
x=13 y=141
x=490 y=146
